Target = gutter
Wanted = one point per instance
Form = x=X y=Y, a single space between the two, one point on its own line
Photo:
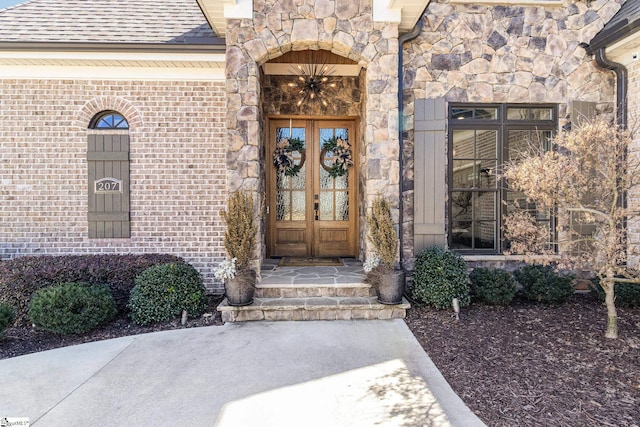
x=600 y=54
x=404 y=38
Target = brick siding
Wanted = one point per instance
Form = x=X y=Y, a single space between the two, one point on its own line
x=178 y=172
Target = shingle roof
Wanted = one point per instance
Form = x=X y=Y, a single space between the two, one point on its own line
x=106 y=21
x=623 y=23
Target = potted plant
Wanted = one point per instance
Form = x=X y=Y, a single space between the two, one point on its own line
x=380 y=267
x=239 y=239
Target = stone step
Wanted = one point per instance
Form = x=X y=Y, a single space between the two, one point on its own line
x=301 y=290
x=314 y=308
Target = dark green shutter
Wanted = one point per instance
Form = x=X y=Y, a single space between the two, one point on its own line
x=108 y=213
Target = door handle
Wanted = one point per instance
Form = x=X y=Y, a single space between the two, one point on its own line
x=316 y=208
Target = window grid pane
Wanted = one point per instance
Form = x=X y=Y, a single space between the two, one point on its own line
x=477 y=149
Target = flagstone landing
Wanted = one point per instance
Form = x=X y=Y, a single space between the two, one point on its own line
x=313 y=293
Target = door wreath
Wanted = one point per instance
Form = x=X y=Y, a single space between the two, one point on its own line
x=342 y=159
x=283 y=156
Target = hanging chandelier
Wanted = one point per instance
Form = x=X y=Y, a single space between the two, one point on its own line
x=312 y=82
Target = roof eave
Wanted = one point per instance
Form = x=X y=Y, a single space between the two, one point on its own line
x=612 y=35
x=218 y=46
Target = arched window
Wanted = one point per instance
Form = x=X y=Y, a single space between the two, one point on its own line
x=108 y=120
x=108 y=179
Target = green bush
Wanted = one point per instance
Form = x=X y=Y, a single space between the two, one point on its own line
x=71 y=308
x=6 y=317
x=627 y=294
x=493 y=286
x=439 y=277
x=21 y=277
x=543 y=284
x=163 y=291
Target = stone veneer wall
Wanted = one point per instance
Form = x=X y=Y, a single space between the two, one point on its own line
x=344 y=27
x=178 y=182
x=343 y=100
x=502 y=54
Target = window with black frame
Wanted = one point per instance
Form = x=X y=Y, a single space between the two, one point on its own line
x=481 y=139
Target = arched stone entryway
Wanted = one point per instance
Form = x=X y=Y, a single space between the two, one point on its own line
x=344 y=28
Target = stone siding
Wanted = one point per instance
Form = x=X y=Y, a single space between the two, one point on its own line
x=344 y=27
x=178 y=181
x=503 y=54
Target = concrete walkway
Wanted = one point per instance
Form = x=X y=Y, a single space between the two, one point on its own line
x=338 y=373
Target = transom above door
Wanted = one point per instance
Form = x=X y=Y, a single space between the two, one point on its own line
x=311 y=183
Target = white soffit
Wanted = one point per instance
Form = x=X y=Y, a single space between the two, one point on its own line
x=218 y=11
x=626 y=50
x=405 y=12
x=112 y=65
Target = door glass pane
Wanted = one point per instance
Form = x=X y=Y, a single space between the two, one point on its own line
x=326 y=206
x=335 y=155
x=283 y=206
x=291 y=178
x=342 y=206
x=298 y=205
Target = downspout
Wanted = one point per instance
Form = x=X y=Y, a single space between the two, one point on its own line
x=621 y=84
x=621 y=101
x=404 y=38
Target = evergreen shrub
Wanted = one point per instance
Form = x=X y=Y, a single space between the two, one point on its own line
x=493 y=286
x=6 y=317
x=71 y=308
x=21 y=277
x=163 y=291
x=627 y=294
x=440 y=276
x=541 y=283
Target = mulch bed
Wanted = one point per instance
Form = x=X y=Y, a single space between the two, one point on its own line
x=532 y=365
x=20 y=341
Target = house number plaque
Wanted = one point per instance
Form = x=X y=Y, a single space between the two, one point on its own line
x=108 y=185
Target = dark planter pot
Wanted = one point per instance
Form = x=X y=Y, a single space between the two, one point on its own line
x=390 y=287
x=240 y=290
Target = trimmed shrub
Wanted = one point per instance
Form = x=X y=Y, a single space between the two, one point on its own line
x=163 y=291
x=21 y=277
x=71 y=308
x=6 y=317
x=627 y=294
x=493 y=286
x=439 y=277
x=543 y=284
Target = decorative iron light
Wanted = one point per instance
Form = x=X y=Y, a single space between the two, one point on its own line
x=313 y=82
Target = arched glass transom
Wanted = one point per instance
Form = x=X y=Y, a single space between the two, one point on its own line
x=109 y=120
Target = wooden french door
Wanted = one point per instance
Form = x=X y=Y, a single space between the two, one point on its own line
x=311 y=187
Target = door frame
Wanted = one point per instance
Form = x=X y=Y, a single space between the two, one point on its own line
x=270 y=184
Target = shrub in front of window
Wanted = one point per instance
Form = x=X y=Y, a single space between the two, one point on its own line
x=6 y=317
x=71 y=308
x=541 y=283
x=440 y=276
x=492 y=286
x=21 y=277
x=627 y=294
x=163 y=291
